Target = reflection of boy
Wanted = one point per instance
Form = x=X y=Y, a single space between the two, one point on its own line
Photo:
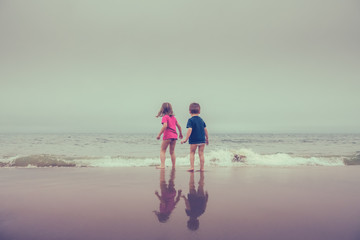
x=167 y=198
x=195 y=202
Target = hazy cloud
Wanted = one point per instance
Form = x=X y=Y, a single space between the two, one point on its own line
x=254 y=66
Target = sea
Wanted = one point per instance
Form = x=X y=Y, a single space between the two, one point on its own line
x=110 y=150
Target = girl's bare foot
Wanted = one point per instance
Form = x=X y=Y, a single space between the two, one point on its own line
x=160 y=167
x=190 y=170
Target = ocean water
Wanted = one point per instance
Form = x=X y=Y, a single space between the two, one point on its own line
x=224 y=150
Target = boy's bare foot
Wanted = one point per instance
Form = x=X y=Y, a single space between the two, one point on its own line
x=201 y=170
x=190 y=170
x=160 y=167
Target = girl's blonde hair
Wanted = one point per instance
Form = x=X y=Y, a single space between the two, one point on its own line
x=166 y=109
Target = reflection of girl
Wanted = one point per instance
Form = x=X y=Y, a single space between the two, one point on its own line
x=167 y=198
x=195 y=202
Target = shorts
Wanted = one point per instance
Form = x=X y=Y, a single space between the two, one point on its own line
x=198 y=142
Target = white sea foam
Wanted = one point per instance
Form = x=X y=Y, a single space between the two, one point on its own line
x=223 y=158
x=119 y=150
x=282 y=159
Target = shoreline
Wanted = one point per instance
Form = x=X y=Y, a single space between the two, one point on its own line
x=112 y=203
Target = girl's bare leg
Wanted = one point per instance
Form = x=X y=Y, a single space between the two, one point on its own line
x=192 y=156
x=201 y=157
x=162 y=180
x=172 y=178
x=164 y=145
x=172 y=152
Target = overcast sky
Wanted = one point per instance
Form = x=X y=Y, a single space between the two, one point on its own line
x=107 y=66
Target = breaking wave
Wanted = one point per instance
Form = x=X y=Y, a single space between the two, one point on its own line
x=221 y=158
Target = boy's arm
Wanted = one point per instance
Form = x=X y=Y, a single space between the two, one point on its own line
x=162 y=130
x=187 y=204
x=178 y=197
x=206 y=136
x=187 y=135
x=180 y=132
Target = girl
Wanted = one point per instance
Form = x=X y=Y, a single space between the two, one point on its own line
x=170 y=136
x=168 y=198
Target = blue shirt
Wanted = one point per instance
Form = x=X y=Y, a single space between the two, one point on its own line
x=198 y=130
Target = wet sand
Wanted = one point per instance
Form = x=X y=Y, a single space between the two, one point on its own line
x=120 y=203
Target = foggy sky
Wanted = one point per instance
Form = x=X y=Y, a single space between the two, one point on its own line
x=107 y=66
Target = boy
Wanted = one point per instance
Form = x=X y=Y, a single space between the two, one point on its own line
x=195 y=202
x=197 y=135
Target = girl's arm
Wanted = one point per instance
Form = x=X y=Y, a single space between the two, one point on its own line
x=157 y=194
x=162 y=130
x=180 y=132
x=187 y=135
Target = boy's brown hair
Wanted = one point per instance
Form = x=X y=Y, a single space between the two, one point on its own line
x=194 y=108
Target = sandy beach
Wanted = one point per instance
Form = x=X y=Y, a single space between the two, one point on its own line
x=120 y=203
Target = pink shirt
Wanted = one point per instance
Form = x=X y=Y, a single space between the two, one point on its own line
x=168 y=201
x=170 y=131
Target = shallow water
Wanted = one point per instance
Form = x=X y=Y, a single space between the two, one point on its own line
x=119 y=203
x=119 y=150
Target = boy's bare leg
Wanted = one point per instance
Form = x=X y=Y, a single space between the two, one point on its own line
x=201 y=184
x=192 y=189
x=172 y=152
x=192 y=156
x=164 y=145
x=201 y=157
